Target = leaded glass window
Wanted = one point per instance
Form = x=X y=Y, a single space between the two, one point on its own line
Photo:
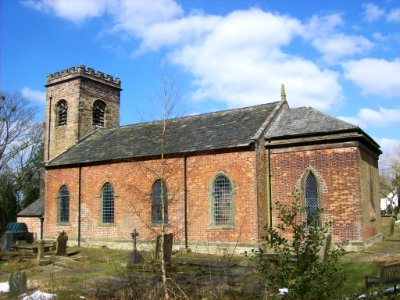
x=63 y=205
x=311 y=199
x=107 y=198
x=61 y=113
x=99 y=108
x=222 y=202
x=159 y=191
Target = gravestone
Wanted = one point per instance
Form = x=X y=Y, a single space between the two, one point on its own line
x=8 y=241
x=17 y=283
x=61 y=248
x=324 y=249
x=134 y=257
x=40 y=255
x=168 y=241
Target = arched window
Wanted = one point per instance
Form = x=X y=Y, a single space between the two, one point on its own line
x=222 y=202
x=62 y=113
x=63 y=205
x=311 y=200
x=99 y=108
x=159 y=191
x=107 y=199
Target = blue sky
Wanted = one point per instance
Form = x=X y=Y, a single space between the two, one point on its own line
x=341 y=57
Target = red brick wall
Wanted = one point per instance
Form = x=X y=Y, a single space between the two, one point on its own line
x=132 y=183
x=33 y=226
x=337 y=171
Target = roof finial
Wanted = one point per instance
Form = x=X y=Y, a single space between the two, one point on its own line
x=283 y=93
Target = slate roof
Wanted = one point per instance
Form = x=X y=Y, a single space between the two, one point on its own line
x=306 y=121
x=35 y=209
x=212 y=131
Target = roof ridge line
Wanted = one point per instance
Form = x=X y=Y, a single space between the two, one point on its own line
x=202 y=114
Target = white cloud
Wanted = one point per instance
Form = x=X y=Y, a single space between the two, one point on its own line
x=375 y=76
x=325 y=37
x=35 y=95
x=372 y=12
x=72 y=10
x=337 y=46
x=394 y=15
x=135 y=16
x=176 y=32
x=237 y=58
x=241 y=63
x=389 y=147
x=367 y=118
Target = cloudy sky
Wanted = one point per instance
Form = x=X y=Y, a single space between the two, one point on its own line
x=341 y=57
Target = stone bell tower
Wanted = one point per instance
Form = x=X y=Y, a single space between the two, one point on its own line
x=78 y=101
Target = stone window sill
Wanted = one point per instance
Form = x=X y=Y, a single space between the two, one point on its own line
x=63 y=224
x=221 y=227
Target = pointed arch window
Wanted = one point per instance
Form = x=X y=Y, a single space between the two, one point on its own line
x=107 y=200
x=99 y=108
x=61 y=112
x=159 y=197
x=312 y=200
x=63 y=205
x=222 y=201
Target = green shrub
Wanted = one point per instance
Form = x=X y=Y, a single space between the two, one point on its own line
x=300 y=261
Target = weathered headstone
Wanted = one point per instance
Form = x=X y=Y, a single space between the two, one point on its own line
x=41 y=245
x=168 y=241
x=61 y=248
x=134 y=257
x=8 y=241
x=17 y=283
x=324 y=249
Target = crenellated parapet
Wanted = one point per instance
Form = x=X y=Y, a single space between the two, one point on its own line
x=82 y=71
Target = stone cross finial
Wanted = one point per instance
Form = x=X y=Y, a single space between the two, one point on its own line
x=283 y=93
x=134 y=235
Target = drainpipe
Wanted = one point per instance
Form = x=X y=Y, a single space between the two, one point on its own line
x=269 y=183
x=41 y=227
x=185 y=199
x=79 y=204
x=48 y=129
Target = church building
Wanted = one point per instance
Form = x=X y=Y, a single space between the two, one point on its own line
x=214 y=179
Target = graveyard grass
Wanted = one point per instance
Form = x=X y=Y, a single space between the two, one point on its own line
x=94 y=272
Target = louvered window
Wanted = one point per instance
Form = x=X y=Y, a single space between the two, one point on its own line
x=311 y=199
x=62 y=113
x=159 y=191
x=107 y=198
x=99 y=108
x=63 y=205
x=222 y=202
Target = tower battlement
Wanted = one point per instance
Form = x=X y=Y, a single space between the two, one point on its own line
x=82 y=71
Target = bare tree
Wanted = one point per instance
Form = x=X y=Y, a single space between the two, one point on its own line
x=390 y=178
x=16 y=119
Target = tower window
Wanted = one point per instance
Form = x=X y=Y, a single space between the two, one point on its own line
x=107 y=197
x=63 y=205
x=159 y=191
x=311 y=200
x=62 y=112
x=99 y=108
x=222 y=202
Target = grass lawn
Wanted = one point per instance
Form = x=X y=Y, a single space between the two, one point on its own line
x=99 y=273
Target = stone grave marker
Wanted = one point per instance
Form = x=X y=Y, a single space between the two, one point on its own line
x=61 y=248
x=323 y=250
x=168 y=241
x=134 y=257
x=8 y=241
x=17 y=283
x=40 y=255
